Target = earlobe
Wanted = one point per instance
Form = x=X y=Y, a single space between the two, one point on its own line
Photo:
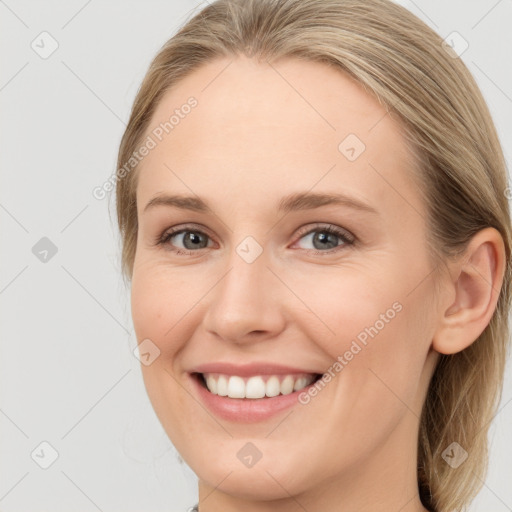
x=473 y=293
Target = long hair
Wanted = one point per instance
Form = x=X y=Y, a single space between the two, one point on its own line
x=405 y=65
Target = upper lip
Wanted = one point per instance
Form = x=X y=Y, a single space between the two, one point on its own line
x=246 y=370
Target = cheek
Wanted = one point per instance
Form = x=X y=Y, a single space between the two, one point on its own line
x=377 y=355
x=341 y=306
x=368 y=296
x=376 y=330
x=160 y=301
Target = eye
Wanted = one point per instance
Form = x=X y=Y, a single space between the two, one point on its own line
x=190 y=238
x=325 y=236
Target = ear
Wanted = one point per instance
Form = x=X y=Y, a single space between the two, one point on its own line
x=472 y=292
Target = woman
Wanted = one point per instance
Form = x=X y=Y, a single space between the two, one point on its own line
x=312 y=201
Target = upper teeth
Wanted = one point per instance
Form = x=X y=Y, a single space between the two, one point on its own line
x=255 y=387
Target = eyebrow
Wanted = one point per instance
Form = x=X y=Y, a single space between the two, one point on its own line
x=293 y=202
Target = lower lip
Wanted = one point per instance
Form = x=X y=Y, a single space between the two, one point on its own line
x=245 y=410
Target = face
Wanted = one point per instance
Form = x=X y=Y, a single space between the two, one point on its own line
x=301 y=253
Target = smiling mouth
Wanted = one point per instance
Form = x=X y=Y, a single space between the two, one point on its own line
x=255 y=387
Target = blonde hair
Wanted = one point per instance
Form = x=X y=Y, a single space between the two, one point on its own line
x=403 y=63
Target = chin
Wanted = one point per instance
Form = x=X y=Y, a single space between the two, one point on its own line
x=249 y=484
x=271 y=479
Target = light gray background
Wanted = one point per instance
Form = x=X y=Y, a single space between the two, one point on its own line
x=67 y=374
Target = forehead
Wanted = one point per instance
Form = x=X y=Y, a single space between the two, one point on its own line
x=260 y=128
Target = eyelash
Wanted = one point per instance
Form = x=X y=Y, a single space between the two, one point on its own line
x=345 y=236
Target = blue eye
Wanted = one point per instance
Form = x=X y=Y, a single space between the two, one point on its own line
x=322 y=236
x=192 y=239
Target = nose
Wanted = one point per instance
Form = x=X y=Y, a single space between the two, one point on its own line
x=247 y=304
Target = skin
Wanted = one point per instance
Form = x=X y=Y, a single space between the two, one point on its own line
x=353 y=446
